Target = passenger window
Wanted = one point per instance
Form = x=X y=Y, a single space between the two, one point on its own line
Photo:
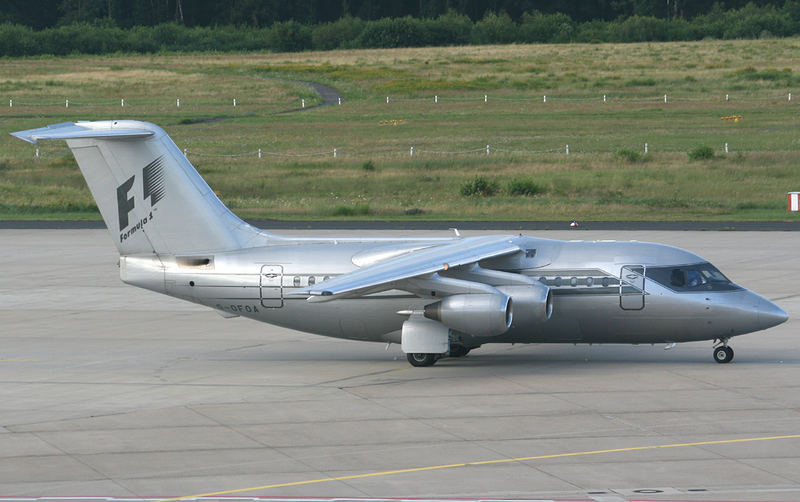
x=573 y=282
x=297 y=280
x=312 y=280
x=558 y=281
x=589 y=281
x=543 y=280
x=606 y=281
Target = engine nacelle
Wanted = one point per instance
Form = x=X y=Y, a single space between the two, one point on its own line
x=474 y=314
x=532 y=304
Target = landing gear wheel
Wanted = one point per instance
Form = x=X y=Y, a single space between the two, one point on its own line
x=458 y=350
x=723 y=354
x=419 y=359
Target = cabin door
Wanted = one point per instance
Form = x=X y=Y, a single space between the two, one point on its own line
x=631 y=287
x=271 y=286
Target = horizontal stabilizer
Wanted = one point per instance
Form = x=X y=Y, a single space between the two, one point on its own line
x=79 y=130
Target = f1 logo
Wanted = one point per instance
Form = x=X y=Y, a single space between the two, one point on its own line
x=124 y=204
x=152 y=188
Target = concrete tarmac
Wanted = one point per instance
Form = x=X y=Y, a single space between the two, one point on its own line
x=111 y=391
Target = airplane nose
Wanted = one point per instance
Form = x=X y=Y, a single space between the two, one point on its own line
x=770 y=315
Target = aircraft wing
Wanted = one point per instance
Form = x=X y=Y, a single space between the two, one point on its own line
x=387 y=274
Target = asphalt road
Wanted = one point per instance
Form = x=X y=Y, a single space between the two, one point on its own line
x=111 y=391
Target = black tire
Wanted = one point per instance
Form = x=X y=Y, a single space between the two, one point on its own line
x=419 y=359
x=458 y=350
x=723 y=355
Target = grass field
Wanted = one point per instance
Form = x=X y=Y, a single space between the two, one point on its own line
x=605 y=176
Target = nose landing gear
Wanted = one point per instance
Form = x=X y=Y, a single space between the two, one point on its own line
x=722 y=353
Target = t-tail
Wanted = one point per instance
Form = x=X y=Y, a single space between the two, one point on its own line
x=150 y=196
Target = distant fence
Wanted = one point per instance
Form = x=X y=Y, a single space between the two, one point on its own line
x=485 y=98
x=413 y=152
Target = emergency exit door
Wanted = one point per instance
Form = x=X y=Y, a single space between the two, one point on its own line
x=631 y=287
x=271 y=286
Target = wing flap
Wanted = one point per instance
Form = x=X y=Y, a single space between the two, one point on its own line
x=428 y=261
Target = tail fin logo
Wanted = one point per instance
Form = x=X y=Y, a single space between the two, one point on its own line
x=153 y=181
x=152 y=188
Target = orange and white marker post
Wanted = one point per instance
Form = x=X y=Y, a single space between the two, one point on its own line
x=794 y=201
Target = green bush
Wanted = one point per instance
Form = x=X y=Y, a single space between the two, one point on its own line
x=389 y=33
x=701 y=152
x=495 y=29
x=479 y=186
x=538 y=27
x=289 y=36
x=525 y=187
x=357 y=210
x=17 y=40
x=448 y=29
x=368 y=166
x=643 y=29
x=339 y=34
x=629 y=155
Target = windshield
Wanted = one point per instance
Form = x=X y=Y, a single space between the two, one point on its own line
x=697 y=277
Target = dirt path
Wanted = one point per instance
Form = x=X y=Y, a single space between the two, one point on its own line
x=329 y=95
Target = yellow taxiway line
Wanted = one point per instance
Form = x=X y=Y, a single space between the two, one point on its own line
x=481 y=462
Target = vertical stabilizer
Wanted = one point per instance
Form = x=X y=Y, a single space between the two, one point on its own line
x=150 y=196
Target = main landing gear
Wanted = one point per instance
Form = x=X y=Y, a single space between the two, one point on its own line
x=420 y=359
x=723 y=353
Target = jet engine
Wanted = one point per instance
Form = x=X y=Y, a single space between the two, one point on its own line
x=475 y=314
x=532 y=304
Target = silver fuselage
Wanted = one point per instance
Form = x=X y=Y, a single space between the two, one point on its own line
x=601 y=292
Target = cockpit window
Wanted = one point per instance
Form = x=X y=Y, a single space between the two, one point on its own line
x=698 y=277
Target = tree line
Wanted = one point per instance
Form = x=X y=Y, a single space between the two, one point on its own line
x=41 y=14
x=103 y=35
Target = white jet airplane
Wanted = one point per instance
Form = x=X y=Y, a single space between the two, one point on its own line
x=436 y=297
